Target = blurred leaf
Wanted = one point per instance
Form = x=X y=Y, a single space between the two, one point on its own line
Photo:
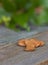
x=0 y=21
x=12 y=25
x=4 y=13
x=6 y=20
x=47 y=16
x=41 y=18
x=44 y=3
x=20 y=3
x=0 y=1
x=23 y=11
x=9 y=5
x=21 y=19
x=28 y=28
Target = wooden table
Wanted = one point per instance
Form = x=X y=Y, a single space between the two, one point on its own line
x=11 y=54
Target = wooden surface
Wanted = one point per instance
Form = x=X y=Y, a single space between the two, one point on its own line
x=11 y=54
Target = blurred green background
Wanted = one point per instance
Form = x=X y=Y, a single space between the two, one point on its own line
x=16 y=14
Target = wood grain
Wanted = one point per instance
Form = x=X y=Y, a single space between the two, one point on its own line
x=11 y=54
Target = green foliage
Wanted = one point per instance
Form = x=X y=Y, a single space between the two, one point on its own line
x=23 y=11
